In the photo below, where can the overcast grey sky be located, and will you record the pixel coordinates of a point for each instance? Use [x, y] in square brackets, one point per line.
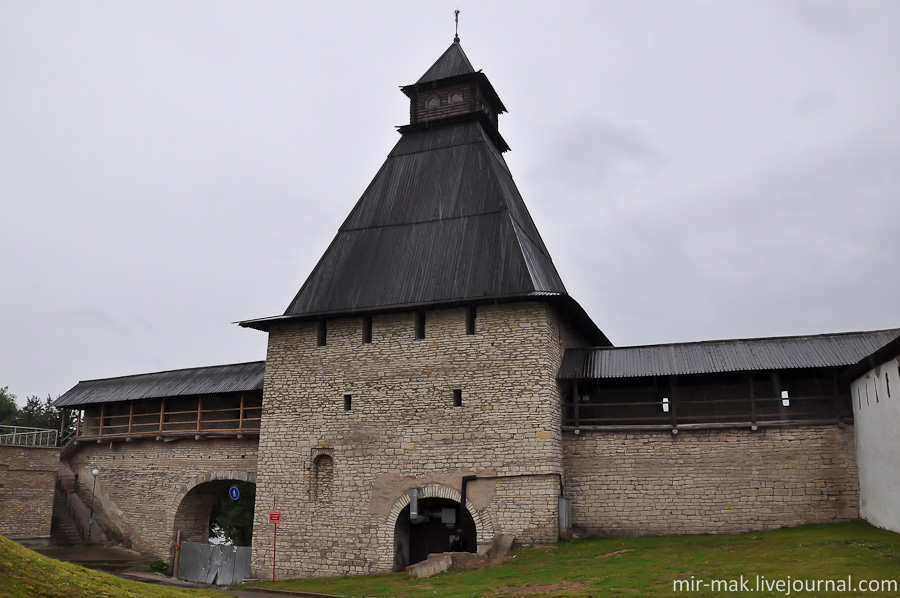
[698, 169]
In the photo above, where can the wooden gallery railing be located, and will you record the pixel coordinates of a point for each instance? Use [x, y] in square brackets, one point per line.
[219, 415]
[666, 403]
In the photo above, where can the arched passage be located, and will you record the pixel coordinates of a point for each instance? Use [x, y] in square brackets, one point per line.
[193, 514]
[441, 526]
[193, 503]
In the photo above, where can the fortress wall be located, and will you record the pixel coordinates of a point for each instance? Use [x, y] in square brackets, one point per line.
[710, 481]
[142, 484]
[27, 480]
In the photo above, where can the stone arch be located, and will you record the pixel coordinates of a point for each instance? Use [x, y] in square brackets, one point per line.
[180, 511]
[211, 476]
[484, 525]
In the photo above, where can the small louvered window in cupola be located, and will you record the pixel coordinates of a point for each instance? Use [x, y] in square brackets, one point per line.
[432, 102]
[456, 97]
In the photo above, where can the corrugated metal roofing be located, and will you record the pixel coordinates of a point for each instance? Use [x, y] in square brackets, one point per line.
[239, 377]
[452, 62]
[824, 350]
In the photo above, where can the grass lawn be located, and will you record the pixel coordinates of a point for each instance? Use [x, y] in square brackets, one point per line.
[648, 566]
[27, 574]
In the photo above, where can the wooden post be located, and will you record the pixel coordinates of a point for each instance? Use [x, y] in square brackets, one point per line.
[78, 423]
[576, 400]
[199, 410]
[837, 397]
[673, 390]
[62, 425]
[102, 405]
[130, 415]
[162, 412]
[241, 415]
[752, 399]
[176, 564]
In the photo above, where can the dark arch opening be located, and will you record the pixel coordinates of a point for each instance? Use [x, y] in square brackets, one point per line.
[193, 516]
[442, 526]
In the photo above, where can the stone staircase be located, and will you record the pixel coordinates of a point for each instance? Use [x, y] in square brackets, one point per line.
[67, 527]
[63, 529]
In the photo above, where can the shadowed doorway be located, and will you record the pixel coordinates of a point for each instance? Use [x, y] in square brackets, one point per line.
[442, 526]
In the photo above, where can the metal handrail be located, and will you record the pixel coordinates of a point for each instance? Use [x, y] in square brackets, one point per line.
[67, 497]
[26, 436]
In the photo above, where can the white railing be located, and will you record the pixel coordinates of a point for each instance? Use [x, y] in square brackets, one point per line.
[23, 436]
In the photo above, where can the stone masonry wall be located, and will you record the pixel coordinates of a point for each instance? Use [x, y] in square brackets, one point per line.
[142, 484]
[27, 481]
[710, 481]
[402, 428]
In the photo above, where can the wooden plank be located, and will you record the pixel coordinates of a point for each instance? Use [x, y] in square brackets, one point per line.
[673, 399]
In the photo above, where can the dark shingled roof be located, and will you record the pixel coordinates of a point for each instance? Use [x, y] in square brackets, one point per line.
[790, 352]
[238, 377]
[441, 222]
[452, 62]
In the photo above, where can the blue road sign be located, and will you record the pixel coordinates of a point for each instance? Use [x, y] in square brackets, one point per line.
[234, 493]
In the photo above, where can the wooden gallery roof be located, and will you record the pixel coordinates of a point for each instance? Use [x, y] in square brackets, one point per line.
[239, 377]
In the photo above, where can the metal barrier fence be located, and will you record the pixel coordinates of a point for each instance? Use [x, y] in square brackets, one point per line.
[24, 436]
[215, 564]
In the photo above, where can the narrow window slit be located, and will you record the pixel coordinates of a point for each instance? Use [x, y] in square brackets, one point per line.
[367, 329]
[457, 397]
[321, 333]
[471, 320]
[420, 324]
[348, 402]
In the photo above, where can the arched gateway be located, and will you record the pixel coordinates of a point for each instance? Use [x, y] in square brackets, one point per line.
[441, 524]
[194, 502]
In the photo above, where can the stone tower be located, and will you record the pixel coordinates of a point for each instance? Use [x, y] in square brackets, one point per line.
[418, 361]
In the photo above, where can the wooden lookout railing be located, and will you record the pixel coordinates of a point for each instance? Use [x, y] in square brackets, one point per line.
[752, 400]
[235, 414]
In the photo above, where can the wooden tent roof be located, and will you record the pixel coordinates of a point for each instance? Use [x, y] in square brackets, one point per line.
[453, 62]
[442, 222]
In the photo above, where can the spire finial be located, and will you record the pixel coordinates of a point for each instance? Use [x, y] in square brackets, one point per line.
[456, 33]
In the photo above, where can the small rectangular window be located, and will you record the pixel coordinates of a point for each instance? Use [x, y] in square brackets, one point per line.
[457, 398]
[348, 400]
[471, 316]
[367, 329]
[420, 324]
[665, 404]
[785, 401]
[321, 334]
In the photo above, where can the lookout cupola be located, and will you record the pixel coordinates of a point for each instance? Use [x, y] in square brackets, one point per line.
[451, 90]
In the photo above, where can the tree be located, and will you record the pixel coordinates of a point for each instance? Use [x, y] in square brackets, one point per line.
[39, 414]
[35, 413]
[9, 412]
[234, 517]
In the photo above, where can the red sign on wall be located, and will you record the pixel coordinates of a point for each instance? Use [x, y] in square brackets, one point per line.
[274, 516]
